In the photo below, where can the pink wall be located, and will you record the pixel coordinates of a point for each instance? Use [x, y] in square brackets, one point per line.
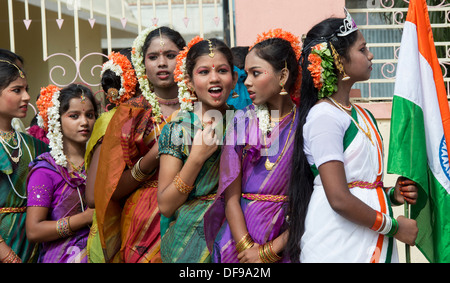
[297, 16]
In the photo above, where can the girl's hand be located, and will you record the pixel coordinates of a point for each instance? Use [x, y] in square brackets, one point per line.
[406, 190]
[407, 230]
[205, 143]
[250, 255]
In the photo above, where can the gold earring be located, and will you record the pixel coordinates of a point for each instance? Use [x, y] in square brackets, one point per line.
[338, 63]
[193, 97]
[235, 95]
[283, 91]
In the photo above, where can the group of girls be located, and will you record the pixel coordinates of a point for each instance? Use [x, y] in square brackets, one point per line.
[174, 173]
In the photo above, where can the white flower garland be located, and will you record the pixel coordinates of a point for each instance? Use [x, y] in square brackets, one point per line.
[262, 112]
[184, 95]
[139, 67]
[54, 134]
[116, 69]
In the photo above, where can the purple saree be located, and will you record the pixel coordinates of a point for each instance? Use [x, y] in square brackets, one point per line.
[263, 198]
[52, 186]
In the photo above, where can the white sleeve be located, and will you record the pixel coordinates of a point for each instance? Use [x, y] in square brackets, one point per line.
[324, 132]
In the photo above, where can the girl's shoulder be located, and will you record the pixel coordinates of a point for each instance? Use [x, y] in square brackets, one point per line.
[325, 113]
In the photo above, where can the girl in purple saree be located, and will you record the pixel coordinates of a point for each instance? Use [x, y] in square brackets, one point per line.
[247, 220]
[57, 214]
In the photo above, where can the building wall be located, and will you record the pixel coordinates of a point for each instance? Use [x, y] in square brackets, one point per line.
[256, 16]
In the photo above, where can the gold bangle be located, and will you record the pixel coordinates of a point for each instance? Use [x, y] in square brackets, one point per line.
[244, 243]
[63, 227]
[182, 186]
[266, 253]
[11, 257]
[136, 172]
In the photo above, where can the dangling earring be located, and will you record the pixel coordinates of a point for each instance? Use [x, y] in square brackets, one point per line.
[283, 91]
[193, 97]
[234, 94]
[338, 63]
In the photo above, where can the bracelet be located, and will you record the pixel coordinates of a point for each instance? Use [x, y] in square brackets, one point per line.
[379, 221]
[182, 186]
[136, 172]
[392, 196]
[245, 243]
[11, 257]
[63, 227]
[266, 253]
[394, 228]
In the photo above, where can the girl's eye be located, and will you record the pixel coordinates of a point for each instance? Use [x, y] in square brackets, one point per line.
[171, 56]
[223, 70]
[90, 115]
[256, 73]
[73, 116]
[152, 57]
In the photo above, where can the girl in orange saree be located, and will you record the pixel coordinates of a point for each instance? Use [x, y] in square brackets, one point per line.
[126, 182]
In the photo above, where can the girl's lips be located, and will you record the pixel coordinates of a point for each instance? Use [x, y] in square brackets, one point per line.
[163, 75]
[24, 108]
[252, 95]
[215, 91]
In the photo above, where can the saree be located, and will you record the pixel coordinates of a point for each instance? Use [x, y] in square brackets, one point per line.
[328, 236]
[52, 186]
[94, 247]
[263, 199]
[129, 231]
[184, 240]
[13, 197]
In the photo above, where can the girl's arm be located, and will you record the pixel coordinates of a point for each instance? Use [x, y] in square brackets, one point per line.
[39, 229]
[91, 175]
[333, 178]
[127, 184]
[169, 197]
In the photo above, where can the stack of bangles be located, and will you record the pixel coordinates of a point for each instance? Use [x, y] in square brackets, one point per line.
[391, 192]
[266, 253]
[137, 174]
[385, 225]
[63, 227]
[11, 257]
[181, 185]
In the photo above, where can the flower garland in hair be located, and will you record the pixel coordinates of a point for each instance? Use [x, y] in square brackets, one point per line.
[262, 111]
[137, 56]
[322, 70]
[121, 66]
[49, 119]
[184, 94]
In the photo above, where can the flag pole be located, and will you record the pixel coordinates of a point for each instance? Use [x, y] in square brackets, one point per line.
[407, 247]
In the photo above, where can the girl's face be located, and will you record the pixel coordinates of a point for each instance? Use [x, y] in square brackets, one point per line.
[78, 121]
[160, 62]
[359, 65]
[213, 79]
[263, 82]
[14, 99]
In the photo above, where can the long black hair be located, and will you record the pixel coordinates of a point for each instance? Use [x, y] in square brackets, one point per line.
[75, 91]
[302, 178]
[172, 34]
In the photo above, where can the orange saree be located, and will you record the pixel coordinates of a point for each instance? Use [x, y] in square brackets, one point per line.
[129, 230]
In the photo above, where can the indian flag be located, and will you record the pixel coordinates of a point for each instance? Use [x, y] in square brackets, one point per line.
[420, 127]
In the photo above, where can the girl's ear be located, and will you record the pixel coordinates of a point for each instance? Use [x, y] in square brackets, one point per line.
[235, 79]
[189, 84]
[284, 76]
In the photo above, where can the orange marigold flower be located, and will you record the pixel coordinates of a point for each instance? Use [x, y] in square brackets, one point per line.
[45, 102]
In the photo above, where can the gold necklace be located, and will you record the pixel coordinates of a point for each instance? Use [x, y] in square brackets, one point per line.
[269, 165]
[367, 133]
[5, 145]
[8, 136]
[281, 118]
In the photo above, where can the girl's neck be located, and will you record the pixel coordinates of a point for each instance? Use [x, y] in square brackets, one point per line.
[167, 93]
[74, 152]
[283, 104]
[343, 94]
[203, 111]
[5, 125]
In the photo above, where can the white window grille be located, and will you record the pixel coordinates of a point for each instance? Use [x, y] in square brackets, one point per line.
[381, 22]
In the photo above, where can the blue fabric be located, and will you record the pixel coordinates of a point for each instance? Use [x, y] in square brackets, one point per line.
[243, 100]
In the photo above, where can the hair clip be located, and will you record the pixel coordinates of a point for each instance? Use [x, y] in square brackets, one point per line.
[348, 25]
[18, 69]
[211, 52]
